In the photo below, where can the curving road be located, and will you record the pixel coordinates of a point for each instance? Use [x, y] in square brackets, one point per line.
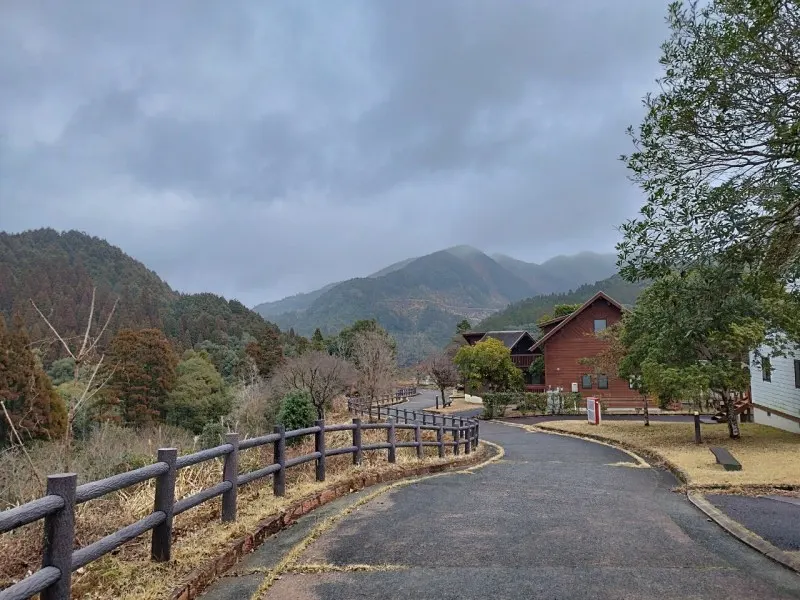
[557, 517]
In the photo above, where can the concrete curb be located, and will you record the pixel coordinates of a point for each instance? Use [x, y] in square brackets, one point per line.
[741, 533]
[199, 579]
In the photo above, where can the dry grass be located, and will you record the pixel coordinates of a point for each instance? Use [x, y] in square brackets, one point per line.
[458, 405]
[769, 456]
[199, 535]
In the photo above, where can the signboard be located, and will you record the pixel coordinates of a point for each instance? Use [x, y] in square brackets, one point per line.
[593, 411]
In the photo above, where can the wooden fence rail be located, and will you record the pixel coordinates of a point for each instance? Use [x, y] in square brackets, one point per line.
[57, 508]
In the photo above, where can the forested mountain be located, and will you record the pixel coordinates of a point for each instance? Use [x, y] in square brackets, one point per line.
[420, 300]
[561, 273]
[58, 271]
[525, 313]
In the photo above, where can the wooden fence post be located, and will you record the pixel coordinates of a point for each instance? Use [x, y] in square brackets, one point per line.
[161, 540]
[440, 440]
[357, 441]
[467, 440]
[390, 437]
[698, 438]
[319, 446]
[230, 472]
[456, 439]
[370, 411]
[418, 440]
[279, 457]
[59, 535]
[405, 415]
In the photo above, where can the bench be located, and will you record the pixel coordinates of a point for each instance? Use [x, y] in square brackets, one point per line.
[726, 459]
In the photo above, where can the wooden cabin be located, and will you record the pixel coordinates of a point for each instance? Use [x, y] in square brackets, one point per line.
[563, 342]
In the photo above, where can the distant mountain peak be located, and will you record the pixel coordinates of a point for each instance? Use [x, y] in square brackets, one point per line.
[463, 250]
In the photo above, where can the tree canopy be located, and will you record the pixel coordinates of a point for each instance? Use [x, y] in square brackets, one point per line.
[488, 365]
[718, 153]
[199, 395]
[32, 405]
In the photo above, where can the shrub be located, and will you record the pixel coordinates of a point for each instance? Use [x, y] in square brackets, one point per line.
[212, 435]
[297, 411]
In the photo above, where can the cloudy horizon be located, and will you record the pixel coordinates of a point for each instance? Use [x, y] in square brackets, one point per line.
[258, 151]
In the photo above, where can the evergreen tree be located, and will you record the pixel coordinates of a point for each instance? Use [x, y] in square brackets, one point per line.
[199, 396]
[318, 341]
[33, 406]
[144, 373]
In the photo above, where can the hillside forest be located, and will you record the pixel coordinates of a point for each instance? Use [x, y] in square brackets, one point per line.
[93, 344]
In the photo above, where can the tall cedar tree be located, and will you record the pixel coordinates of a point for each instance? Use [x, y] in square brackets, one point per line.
[266, 352]
[34, 407]
[144, 366]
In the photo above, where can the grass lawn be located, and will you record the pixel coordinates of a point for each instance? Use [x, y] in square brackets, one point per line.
[769, 456]
[458, 405]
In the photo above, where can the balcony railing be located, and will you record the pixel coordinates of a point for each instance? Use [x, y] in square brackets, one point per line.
[523, 360]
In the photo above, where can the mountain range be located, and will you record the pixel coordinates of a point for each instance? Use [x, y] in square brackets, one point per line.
[420, 300]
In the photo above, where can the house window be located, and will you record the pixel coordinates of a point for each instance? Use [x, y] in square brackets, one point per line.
[586, 382]
[599, 325]
[766, 369]
[602, 382]
[797, 373]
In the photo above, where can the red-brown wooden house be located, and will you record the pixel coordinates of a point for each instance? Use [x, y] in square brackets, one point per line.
[563, 342]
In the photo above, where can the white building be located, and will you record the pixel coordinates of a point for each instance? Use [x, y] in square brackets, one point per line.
[775, 392]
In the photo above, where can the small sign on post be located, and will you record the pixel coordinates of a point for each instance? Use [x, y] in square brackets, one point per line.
[593, 411]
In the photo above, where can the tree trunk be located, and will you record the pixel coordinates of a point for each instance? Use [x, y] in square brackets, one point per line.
[733, 421]
[443, 400]
[646, 411]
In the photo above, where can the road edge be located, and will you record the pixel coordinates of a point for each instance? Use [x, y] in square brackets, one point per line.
[198, 580]
[742, 533]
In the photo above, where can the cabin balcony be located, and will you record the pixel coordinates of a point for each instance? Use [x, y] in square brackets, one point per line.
[523, 361]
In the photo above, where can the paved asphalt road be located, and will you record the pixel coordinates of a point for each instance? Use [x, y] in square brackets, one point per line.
[556, 518]
[775, 521]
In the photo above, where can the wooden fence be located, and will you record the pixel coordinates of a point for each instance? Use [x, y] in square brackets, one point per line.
[400, 395]
[57, 508]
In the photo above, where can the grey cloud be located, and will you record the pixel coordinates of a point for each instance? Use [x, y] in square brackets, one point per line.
[259, 149]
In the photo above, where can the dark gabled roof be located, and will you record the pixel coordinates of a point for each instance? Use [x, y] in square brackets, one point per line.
[508, 338]
[473, 337]
[599, 295]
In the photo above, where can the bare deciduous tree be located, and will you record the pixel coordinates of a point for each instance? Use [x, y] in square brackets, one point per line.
[323, 376]
[375, 365]
[84, 356]
[443, 372]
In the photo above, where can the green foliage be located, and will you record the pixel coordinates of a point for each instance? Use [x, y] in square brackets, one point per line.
[717, 152]
[463, 326]
[297, 411]
[536, 370]
[343, 345]
[488, 365]
[62, 370]
[527, 313]
[692, 332]
[199, 395]
[34, 407]
[496, 403]
[318, 341]
[212, 435]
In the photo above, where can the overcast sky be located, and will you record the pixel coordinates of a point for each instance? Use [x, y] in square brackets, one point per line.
[258, 149]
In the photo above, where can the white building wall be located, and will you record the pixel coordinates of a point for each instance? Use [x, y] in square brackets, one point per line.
[779, 394]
